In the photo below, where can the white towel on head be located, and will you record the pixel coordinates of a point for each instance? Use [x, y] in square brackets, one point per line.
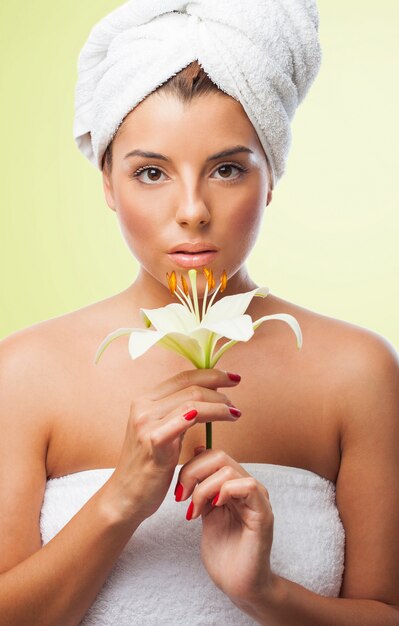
[263, 53]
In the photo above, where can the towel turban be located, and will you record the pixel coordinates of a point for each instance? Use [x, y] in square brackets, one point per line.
[263, 53]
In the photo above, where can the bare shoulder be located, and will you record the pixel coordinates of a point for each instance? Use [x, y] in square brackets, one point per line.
[34, 364]
[356, 366]
[361, 369]
[50, 339]
[348, 349]
[36, 361]
[25, 430]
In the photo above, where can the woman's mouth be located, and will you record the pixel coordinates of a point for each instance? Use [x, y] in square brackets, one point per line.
[193, 259]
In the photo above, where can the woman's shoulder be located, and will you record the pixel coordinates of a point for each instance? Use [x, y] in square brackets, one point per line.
[61, 333]
[346, 358]
[340, 337]
[40, 359]
[343, 357]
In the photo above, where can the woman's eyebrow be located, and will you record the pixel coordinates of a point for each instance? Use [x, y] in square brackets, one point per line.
[213, 157]
[229, 152]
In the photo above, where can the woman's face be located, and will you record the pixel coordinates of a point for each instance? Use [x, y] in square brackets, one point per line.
[186, 193]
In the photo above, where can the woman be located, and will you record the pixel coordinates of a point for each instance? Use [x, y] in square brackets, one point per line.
[114, 437]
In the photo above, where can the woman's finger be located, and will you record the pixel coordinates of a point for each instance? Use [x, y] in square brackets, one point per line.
[201, 467]
[171, 427]
[194, 393]
[244, 493]
[247, 490]
[211, 378]
[206, 491]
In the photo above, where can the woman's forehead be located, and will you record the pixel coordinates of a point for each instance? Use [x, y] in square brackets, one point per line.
[164, 120]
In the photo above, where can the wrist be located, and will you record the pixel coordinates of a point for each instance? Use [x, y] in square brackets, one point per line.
[118, 508]
[264, 604]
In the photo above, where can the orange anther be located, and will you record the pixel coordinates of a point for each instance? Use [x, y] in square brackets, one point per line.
[209, 277]
[172, 281]
[184, 284]
[223, 281]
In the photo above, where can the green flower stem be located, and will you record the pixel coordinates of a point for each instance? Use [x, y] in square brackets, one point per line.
[208, 435]
[207, 365]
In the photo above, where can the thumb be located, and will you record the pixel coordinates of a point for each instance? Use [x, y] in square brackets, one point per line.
[199, 449]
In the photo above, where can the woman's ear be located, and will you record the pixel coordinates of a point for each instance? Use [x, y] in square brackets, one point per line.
[269, 196]
[108, 190]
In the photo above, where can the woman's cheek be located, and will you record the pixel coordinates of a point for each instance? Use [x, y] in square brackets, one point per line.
[135, 226]
[246, 222]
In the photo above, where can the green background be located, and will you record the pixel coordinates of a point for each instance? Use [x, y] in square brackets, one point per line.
[330, 237]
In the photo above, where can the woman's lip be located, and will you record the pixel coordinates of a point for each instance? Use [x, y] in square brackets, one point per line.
[196, 259]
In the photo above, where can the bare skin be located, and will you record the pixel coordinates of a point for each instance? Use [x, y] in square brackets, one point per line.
[331, 408]
[275, 375]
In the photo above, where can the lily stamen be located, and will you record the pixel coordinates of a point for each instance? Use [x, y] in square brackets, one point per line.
[192, 274]
[207, 274]
[213, 297]
[187, 299]
[178, 327]
[221, 287]
[172, 281]
[184, 284]
[223, 281]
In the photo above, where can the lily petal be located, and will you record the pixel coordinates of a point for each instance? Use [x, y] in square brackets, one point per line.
[142, 340]
[285, 317]
[232, 306]
[171, 318]
[187, 347]
[238, 328]
[114, 335]
[215, 358]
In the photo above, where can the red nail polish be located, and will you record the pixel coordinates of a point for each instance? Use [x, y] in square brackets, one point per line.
[179, 492]
[189, 513]
[190, 414]
[235, 377]
[234, 411]
[215, 499]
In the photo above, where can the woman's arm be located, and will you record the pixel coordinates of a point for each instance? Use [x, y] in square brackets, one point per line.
[288, 604]
[56, 584]
[367, 493]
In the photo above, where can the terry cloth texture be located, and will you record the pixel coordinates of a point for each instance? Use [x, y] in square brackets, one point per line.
[263, 53]
[159, 577]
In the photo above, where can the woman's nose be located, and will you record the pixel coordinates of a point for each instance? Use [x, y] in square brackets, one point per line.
[192, 212]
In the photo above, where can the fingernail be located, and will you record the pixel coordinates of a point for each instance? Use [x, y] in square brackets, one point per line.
[235, 377]
[189, 513]
[190, 415]
[215, 499]
[179, 492]
[234, 411]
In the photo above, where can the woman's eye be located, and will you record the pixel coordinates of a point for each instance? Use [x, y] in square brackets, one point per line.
[226, 170]
[148, 175]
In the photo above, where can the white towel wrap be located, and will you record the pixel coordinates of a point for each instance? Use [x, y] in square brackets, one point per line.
[263, 53]
[159, 577]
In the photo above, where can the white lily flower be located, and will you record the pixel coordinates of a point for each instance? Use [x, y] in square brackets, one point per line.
[181, 328]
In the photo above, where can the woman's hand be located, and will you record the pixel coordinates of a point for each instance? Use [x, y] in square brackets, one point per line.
[237, 532]
[155, 430]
